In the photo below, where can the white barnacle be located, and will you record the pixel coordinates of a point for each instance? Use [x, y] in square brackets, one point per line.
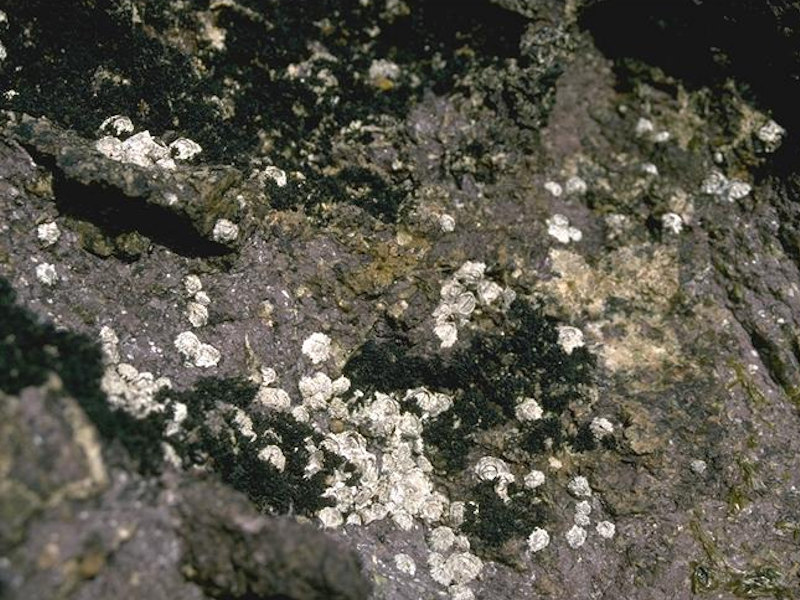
[569, 338]
[716, 184]
[109, 343]
[432, 403]
[457, 513]
[274, 398]
[558, 227]
[433, 507]
[132, 391]
[462, 567]
[698, 465]
[576, 185]
[225, 231]
[402, 519]
[267, 376]
[192, 284]
[141, 149]
[273, 455]
[461, 592]
[534, 479]
[672, 223]
[554, 188]
[185, 149]
[465, 304]
[538, 540]
[197, 314]
[244, 424]
[576, 536]
[470, 273]
[582, 511]
[451, 289]
[46, 273]
[48, 233]
[382, 71]
[447, 224]
[606, 529]
[117, 125]
[579, 487]
[405, 564]
[316, 390]
[110, 147]
[207, 356]
[196, 352]
[662, 136]
[644, 126]
[202, 298]
[373, 512]
[601, 427]
[179, 413]
[490, 468]
[408, 426]
[340, 385]
[441, 539]
[330, 517]
[528, 409]
[508, 297]
[650, 169]
[354, 519]
[278, 176]
[317, 347]
[447, 333]
[489, 292]
[300, 414]
[738, 189]
[381, 414]
[337, 409]
[771, 134]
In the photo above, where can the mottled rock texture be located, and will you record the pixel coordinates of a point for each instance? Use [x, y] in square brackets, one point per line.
[399, 299]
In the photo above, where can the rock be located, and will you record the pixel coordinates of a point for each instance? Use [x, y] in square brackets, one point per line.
[463, 294]
[66, 463]
[180, 208]
[234, 552]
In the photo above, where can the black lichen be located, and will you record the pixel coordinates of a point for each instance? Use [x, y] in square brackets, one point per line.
[493, 521]
[211, 438]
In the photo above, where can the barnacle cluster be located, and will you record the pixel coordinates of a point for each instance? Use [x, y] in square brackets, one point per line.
[142, 149]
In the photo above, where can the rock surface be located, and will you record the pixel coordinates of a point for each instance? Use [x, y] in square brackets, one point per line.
[399, 299]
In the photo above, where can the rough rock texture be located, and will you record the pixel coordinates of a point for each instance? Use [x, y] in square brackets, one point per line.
[399, 299]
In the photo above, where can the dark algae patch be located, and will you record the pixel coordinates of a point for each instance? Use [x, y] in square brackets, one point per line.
[491, 521]
[212, 438]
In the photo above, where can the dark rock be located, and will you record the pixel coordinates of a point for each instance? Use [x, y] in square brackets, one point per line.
[232, 551]
[178, 209]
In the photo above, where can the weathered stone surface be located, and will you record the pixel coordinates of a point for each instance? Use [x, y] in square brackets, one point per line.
[234, 552]
[476, 242]
[174, 207]
[49, 454]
